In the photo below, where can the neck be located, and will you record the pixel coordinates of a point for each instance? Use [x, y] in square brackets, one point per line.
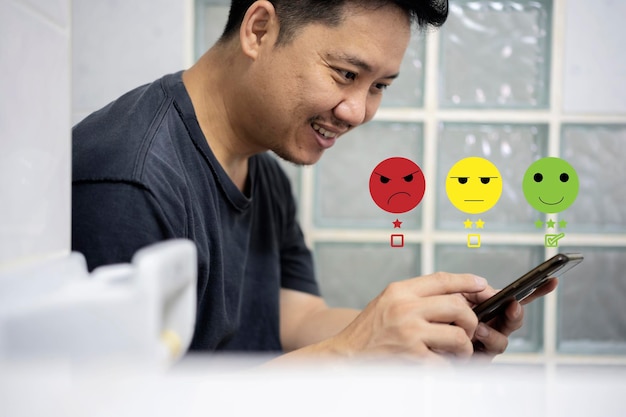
[211, 85]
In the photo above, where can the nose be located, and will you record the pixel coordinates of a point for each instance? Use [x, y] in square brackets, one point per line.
[356, 108]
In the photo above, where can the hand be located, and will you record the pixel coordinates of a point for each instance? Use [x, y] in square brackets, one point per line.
[412, 318]
[491, 338]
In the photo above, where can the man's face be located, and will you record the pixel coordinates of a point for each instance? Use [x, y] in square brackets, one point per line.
[323, 83]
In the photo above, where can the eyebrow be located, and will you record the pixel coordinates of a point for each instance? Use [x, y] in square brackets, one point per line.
[359, 63]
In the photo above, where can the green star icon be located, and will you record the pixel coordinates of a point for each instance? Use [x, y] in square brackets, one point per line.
[562, 224]
[538, 224]
[550, 224]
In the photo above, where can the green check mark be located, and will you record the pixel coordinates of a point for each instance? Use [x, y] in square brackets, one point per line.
[552, 241]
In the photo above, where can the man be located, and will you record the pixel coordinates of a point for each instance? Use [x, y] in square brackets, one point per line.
[184, 157]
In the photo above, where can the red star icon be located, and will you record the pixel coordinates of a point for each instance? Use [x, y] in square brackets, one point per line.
[396, 224]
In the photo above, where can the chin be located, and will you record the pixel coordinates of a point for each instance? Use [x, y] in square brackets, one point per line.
[299, 158]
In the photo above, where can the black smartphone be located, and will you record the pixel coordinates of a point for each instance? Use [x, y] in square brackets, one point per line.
[526, 284]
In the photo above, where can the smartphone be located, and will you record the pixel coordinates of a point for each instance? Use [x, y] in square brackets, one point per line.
[526, 284]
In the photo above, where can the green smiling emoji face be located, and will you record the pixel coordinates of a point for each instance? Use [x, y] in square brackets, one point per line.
[550, 185]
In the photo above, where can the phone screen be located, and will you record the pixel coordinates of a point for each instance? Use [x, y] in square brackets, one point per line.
[526, 284]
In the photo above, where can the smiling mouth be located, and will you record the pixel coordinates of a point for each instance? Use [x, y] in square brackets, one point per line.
[326, 133]
[551, 204]
[395, 194]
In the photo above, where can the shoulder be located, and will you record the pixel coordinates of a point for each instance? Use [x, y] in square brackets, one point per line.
[112, 143]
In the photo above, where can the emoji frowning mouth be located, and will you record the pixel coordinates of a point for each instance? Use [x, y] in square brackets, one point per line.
[395, 194]
[551, 204]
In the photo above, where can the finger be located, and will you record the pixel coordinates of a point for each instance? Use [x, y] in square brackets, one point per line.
[446, 309]
[489, 341]
[445, 283]
[478, 297]
[545, 288]
[424, 356]
[448, 339]
[511, 320]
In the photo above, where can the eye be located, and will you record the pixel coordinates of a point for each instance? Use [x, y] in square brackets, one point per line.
[485, 180]
[348, 75]
[538, 177]
[462, 180]
[408, 178]
[381, 86]
[384, 180]
[564, 177]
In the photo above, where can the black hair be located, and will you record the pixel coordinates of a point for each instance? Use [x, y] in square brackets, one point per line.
[294, 14]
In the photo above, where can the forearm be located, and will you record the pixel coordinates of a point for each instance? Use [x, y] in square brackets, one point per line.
[314, 340]
[321, 325]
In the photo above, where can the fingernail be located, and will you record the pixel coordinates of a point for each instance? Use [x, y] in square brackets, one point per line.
[482, 331]
[518, 310]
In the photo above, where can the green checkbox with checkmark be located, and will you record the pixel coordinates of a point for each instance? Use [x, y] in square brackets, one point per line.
[552, 240]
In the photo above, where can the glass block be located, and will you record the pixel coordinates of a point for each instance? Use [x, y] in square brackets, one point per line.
[597, 152]
[511, 148]
[496, 54]
[594, 73]
[408, 89]
[591, 317]
[352, 274]
[342, 197]
[500, 265]
[211, 17]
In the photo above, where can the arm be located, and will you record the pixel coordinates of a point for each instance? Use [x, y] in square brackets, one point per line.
[305, 319]
[409, 318]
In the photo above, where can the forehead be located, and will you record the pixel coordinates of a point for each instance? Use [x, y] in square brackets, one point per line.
[368, 33]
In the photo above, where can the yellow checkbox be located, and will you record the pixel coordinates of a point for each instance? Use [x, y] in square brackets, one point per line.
[473, 240]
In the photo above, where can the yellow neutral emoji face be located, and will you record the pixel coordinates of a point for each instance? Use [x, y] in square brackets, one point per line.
[474, 185]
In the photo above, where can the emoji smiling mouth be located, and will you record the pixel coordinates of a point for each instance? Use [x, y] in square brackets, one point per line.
[395, 194]
[551, 204]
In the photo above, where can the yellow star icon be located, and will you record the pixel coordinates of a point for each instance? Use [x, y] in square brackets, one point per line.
[468, 224]
[480, 224]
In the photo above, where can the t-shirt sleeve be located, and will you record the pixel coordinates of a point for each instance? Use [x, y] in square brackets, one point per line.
[297, 270]
[296, 259]
[112, 220]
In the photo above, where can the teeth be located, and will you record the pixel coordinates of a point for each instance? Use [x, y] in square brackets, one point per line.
[323, 131]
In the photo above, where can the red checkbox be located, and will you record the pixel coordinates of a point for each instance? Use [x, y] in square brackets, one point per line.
[397, 241]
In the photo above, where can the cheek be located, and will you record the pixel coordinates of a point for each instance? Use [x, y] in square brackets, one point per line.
[373, 103]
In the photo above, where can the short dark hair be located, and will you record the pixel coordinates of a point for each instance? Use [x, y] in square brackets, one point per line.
[294, 14]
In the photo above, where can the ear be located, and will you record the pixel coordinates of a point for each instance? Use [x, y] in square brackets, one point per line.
[258, 28]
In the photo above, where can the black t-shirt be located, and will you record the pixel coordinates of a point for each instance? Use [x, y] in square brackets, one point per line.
[143, 172]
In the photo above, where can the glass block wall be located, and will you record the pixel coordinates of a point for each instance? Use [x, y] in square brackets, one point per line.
[512, 82]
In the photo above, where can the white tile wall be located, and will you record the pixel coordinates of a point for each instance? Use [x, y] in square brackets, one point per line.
[34, 129]
[119, 45]
[60, 60]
